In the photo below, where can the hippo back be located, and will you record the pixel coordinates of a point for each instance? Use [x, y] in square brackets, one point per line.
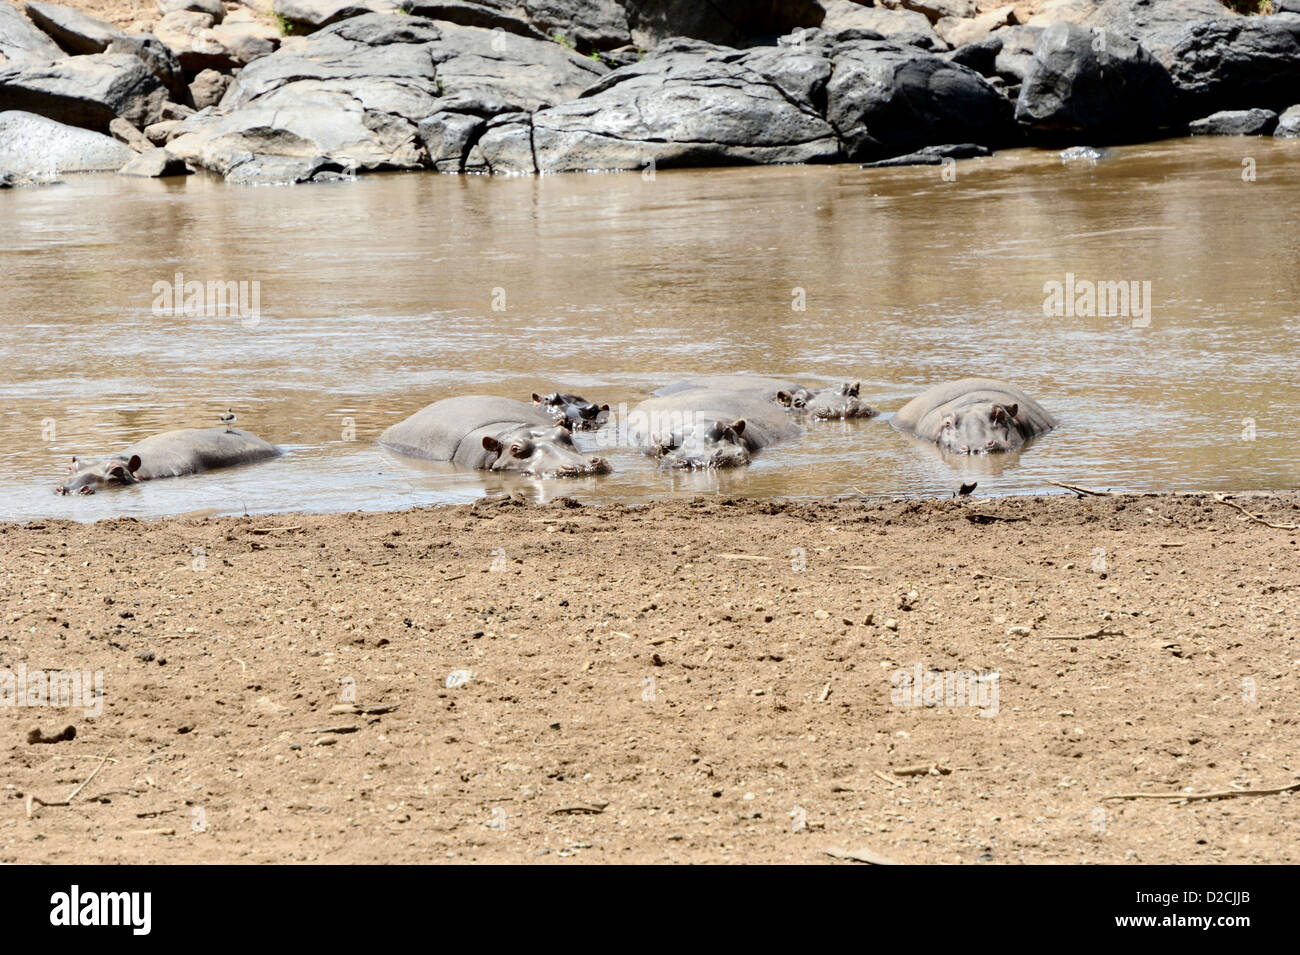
[759, 385]
[195, 450]
[438, 431]
[923, 415]
[765, 422]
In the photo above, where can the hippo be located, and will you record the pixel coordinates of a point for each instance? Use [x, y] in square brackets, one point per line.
[170, 454]
[826, 403]
[974, 416]
[840, 401]
[491, 434]
[572, 411]
[707, 428]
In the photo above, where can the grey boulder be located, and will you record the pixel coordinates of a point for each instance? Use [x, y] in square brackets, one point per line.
[1235, 122]
[21, 42]
[1288, 124]
[1238, 63]
[932, 156]
[693, 104]
[208, 88]
[885, 100]
[34, 145]
[213, 8]
[88, 91]
[155, 164]
[1094, 82]
[158, 57]
[1156, 24]
[74, 31]
[308, 16]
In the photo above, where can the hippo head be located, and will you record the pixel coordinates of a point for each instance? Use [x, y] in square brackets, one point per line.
[705, 444]
[840, 402]
[541, 452]
[577, 413]
[981, 429]
[86, 477]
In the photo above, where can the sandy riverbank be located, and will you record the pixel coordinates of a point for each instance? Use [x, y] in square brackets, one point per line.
[718, 679]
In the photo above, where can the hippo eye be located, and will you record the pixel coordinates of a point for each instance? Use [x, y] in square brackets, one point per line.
[521, 450]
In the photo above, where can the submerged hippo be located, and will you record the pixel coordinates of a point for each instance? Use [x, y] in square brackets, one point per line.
[974, 416]
[839, 401]
[575, 413]
[705, 428]
[170, 454]
[834, 402]
[491, 434]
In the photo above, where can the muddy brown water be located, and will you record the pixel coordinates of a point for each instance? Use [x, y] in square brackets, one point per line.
[378, 296]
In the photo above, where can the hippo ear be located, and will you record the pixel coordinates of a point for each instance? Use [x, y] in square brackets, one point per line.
[491, 444]
[1012, 409]
[604, 407]
[739, 426]
[134, 464]
[537, 399]
[784, 397]
[853, 389]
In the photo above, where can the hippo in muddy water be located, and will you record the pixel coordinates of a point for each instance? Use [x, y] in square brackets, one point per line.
[974, 416]
[572, 411]
[838, 401]
[491, 434]
[707, 428]
[170, 454]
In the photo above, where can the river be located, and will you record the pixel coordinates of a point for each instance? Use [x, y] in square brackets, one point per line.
[378, 296]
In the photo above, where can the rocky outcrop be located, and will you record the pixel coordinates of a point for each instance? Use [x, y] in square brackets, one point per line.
[72, 30]
[1095, 83]
[378, 92]
[1238, 122]
[87, 91]
[1238, 63]
[22, 43]
[34, 146]
[693, 104]
[1157, 24]
[885, 100]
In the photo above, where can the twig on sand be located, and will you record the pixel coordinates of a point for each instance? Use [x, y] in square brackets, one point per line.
[923, 769]
[34, 801]
[1094, 635]
[1220, 499]
[743, 557]
[1084, 490]
[892, 782]
[1191, 797]
[860, 855]
[275, 530]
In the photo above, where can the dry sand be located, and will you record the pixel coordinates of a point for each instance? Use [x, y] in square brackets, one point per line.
[707, 681]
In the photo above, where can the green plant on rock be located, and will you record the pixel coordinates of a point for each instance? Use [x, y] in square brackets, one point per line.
[283, 24]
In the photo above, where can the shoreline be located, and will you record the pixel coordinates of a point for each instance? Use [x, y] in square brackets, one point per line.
[707, 680]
